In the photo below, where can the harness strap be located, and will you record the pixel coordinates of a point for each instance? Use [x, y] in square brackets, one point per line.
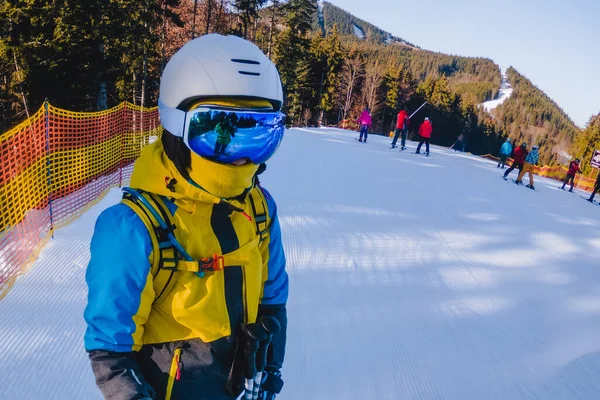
[241, 256]
[259, 209]
[170, 256]
[164, 255]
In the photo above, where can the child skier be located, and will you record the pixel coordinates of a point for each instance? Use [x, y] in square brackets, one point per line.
[505, 152]
[425, 133]
[186, 281]
[364, 122]
[518, 161]
[573, 169]
[530, 161]
[401, 129]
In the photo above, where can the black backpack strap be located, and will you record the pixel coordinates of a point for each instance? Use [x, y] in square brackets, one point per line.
[260, 212]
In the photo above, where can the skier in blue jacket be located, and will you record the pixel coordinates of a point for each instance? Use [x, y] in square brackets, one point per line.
[530, 162]
[505, 152]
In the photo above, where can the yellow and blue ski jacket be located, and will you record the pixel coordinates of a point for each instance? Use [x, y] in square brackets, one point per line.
[159, 327]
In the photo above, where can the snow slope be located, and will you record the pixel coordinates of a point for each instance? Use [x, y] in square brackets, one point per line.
[411, 278]
[504, 93]
[358, 32]
[320, 14]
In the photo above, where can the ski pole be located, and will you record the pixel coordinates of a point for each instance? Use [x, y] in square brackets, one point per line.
[271, 326]
[254, 335]
[422, 105]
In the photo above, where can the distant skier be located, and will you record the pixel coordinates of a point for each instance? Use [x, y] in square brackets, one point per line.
[530, 162]
[425, 134]
[505, 152]
[518, 160]
[401, 129]
[573, 169]
[596, 189]
[364, 122]
[460, 143]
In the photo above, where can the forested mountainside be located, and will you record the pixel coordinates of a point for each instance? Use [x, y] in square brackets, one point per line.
[88, 55]
[530, 116]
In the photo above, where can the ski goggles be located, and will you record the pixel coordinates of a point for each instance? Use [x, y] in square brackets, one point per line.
[226, 135]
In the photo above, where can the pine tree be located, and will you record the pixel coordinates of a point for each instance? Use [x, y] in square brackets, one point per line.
[247, 11]
[292, 54]
[334, 60]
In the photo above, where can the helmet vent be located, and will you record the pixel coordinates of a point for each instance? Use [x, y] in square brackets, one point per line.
[249, 73]
[240, 61]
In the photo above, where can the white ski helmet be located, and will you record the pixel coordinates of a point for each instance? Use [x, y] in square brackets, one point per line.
[216, 66]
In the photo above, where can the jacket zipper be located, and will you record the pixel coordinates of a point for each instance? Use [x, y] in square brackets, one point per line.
[174, 372]
[245, 293]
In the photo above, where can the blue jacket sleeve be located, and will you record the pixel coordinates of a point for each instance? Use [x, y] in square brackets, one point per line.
[275, 295]
[119, 281]
[120, 294]
[276, 286]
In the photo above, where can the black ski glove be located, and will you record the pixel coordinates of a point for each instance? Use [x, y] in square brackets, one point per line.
[271, 384]
[276, 352]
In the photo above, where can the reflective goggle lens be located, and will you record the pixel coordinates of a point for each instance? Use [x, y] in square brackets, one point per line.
[229, 135]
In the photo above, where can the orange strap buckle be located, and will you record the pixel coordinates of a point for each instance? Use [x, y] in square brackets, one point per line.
[214, 263]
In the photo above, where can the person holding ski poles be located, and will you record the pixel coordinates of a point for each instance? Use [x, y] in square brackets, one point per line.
[573, 169]
[401, 129]
[596, 189]
[187, 286]
[518, 161]
[364, 122]
[425, 133]
[505, 152]
[460, 143]
[530, 162]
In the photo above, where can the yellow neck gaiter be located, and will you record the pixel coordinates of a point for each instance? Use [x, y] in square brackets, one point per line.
[222, 180]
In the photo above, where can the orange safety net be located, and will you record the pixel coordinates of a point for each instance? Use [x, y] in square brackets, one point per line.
[54, 165]
[558, 173]
[349, 124]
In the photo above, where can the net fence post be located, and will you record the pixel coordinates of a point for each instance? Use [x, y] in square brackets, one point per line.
[48, 163]
[121, 161]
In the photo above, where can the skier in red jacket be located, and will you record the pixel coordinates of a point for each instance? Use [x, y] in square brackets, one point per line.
[425, 133]
[401, 128]
[573, 169]
[519, 160]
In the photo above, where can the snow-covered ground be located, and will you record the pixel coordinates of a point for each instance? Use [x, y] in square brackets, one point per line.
[411, 278]
[358, 32]
[504, 93]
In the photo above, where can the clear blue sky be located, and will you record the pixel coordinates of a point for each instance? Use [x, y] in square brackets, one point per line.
[556, 44]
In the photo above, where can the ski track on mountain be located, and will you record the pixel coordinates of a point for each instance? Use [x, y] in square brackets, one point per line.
[410, 278]
[504, 93]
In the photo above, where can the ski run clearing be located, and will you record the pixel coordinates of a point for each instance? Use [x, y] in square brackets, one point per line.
[410, 278]
[504, 93]
[358, 32]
